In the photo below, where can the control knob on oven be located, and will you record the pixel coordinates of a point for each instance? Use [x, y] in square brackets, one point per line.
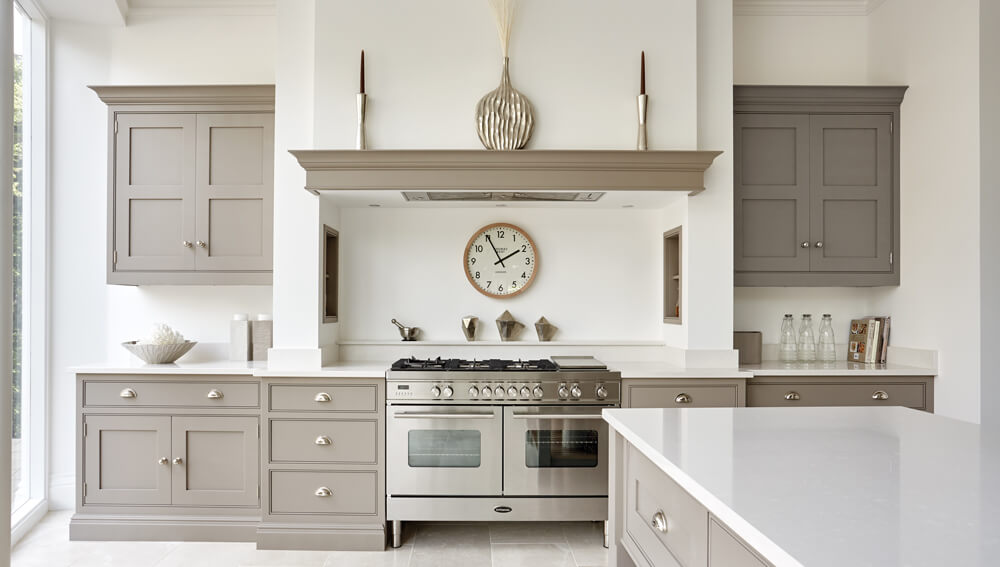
[525, 392]
[448, 392]
[602, 392]
[435, 392]
[538, 392]
[498, 392]
[576, 391]
[474, 392]
[512, 392]
[563, 391]
[487, 392]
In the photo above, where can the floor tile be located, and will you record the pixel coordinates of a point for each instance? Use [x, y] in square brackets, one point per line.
[527, 532]
[439, 545]
[586, 540]
[121, 553]
[388, 558]
[532, 555]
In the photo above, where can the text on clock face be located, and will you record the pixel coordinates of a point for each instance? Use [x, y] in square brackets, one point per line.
[500, 260]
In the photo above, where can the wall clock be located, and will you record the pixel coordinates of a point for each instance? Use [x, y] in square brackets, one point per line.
[500, 260]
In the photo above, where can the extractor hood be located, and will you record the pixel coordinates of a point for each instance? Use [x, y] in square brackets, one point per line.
[505, 172]
[502, 196]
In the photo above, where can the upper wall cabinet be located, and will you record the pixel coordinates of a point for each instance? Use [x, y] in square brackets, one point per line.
[190, 184]
[816, 187]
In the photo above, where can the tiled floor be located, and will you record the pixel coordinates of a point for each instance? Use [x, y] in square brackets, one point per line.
[576, 544]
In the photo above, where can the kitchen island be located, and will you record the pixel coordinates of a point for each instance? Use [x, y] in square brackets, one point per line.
[811, 487]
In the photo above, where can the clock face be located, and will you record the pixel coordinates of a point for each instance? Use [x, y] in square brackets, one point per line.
[500, 260]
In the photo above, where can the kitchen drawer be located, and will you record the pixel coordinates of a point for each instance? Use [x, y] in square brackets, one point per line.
[650, 493]
[324, 397]
[351, 493]
[700, 396]
[146, 393]
[724, 550]
[324, 441]
[836, 394]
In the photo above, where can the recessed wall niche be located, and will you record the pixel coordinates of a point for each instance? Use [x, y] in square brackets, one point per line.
[672, 276]
[331, 274]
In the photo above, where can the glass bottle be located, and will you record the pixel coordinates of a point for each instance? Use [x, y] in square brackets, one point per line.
[827, 344]
[787, 351]
[807, 339]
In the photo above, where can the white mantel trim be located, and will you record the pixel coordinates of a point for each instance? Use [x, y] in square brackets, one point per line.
[805, 7]
[152, 8]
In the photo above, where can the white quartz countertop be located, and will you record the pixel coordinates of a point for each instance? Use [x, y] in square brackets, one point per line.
[830, 487]
[138, 367]
[836, 368]
[665, 370]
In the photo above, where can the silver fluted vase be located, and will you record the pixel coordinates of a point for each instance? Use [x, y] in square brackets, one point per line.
[504, 117]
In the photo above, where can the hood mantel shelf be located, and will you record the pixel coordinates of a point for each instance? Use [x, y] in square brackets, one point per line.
[521, 170]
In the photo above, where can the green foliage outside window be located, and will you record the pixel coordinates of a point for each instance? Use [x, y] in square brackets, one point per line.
[18, 239]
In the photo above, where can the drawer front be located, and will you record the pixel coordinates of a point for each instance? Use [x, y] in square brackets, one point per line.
[724, 550]
[833, 394]
[324, 441]
[323, 397]
[146, 393]
[651, 496]
[684, 396]
[351, 493]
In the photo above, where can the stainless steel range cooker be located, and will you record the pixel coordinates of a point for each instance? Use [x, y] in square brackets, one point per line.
[497, 440]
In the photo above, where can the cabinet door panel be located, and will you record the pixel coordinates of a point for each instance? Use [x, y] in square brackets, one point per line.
[220, 461]
[772, 195]
[121, 460]
[154, 190]
[851, 192]
[235, 191]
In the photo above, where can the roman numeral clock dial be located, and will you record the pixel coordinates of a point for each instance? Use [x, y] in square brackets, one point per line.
[500, 260]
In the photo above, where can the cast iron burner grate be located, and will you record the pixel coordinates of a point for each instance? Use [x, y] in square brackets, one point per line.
[492, 365]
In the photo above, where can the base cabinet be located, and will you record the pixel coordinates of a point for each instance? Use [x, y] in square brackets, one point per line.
[158, 468]
[681, 393]
[915, 392]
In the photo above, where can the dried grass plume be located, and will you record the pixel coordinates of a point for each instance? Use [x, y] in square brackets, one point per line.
[503, 14]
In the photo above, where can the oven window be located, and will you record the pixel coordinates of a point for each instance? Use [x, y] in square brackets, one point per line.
[445, 448]
[571, 448]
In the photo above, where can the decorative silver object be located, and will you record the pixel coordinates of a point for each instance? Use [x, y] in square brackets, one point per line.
[545, 330]
[470, 325]
[504, 117]
[362, 110]
[158, 354]
[509, 327]
[640, 102]
[407, 333]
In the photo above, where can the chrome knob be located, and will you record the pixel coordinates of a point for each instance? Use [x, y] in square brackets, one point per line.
[448, 391]
[322, 397]
[487, 393]
[793, 396]
[512, 392]
[163, 460]
[563, 391]
[323, 492]
[538, 392]
[659, 522]
[127, 393]
[880, 395]
[602, 392]
[682, 399]
[575, 391]
[498, 392]
[187, 243]
[323, 440]
[474, 392]
[525, 392]
[819, 244]
[178, 461]
[804, 245]
[202, 244]
[214, 394]
[435, 392]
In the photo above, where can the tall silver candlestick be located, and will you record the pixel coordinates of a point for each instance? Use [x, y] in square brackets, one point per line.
[640, 102]
[362, 108]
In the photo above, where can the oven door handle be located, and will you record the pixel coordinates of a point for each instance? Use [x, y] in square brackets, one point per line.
[581, 416]
[435, 415]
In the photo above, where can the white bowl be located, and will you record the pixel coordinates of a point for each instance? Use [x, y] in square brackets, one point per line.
[159, 354]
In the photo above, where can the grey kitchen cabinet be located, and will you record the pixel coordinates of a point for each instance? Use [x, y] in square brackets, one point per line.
[915, 392]
[167, 458]
[323, 469]
[816, 182]
[683, 392]
[191, 178]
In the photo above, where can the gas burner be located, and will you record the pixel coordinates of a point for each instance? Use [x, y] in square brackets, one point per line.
[419, 364]
[471, 364]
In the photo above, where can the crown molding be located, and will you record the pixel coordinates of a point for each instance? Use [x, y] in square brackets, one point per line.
[147, 8]
[805, 7]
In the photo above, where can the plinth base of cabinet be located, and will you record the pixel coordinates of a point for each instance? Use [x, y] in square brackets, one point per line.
[83, 527]
[321, 537]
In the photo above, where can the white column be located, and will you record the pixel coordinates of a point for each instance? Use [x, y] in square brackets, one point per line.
[6, 255]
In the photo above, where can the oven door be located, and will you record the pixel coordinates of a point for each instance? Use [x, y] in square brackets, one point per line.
[444, 450]
[555, 451]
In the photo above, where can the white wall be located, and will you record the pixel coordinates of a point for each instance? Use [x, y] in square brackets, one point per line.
[800, 50]
[599, 273]
[989, 68]
[90, 318]
[934, 48]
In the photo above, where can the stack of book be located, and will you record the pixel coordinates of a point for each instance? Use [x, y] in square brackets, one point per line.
[869, 340]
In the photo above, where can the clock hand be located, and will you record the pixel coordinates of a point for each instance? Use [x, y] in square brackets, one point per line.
[495, 252]
[500, 261]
